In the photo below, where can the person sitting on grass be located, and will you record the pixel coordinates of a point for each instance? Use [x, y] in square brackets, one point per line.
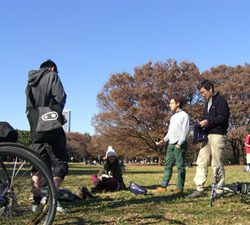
[109, 177]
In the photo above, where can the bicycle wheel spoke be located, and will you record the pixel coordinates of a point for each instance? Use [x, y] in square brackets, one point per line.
[2, 209]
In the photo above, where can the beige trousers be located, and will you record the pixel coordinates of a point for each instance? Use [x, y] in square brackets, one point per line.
[248, 158]
[212, 151]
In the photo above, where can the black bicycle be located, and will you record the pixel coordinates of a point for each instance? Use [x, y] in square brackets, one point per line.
[17, 164]
[239, 188]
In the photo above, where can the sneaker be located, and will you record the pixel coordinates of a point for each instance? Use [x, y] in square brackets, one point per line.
[196, 194]
[36, 207]
[160, 190]
[43, 200]
[59, 208]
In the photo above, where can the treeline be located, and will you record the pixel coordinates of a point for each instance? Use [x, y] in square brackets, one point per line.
[134, 109]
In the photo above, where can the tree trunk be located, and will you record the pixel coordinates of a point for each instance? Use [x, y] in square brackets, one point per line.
[235, 150]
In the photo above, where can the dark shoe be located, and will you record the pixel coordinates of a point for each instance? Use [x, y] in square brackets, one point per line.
[83, 193]
[196, 194]
[95, 190]
[178, 191]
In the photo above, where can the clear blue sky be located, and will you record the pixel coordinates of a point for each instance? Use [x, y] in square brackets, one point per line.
[90, 40]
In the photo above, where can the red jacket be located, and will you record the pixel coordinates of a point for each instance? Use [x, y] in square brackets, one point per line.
[247, 141]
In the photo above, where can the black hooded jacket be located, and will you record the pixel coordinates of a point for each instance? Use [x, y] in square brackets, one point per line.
[45, 89]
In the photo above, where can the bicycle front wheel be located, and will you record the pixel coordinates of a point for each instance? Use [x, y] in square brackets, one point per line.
[17, 163]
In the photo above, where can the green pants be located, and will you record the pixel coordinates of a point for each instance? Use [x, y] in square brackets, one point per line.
[175, 155]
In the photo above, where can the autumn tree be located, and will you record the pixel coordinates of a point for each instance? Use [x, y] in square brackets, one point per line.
[78, 145]
[134, 108]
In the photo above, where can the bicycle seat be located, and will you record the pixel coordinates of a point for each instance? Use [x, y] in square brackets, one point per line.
[7, 133]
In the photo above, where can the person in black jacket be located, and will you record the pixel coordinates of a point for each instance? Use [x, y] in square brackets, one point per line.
[215, 121]
[45, 89]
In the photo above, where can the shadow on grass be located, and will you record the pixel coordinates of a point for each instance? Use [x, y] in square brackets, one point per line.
[110, 203]
[83, 166]
[82, 172]
[151, 198]
[154, 186]
[114, 203]
[142, 172]
[73, 220]
[154, 217]
[94, 170]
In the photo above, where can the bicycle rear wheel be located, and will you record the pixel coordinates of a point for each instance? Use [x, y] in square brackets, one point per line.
[16, 196]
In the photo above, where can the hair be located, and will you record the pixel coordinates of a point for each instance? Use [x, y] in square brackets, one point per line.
[207, 84]
[48, 64]
[178, 99]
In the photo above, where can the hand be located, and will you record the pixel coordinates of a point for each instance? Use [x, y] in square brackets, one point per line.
[177, 146]
[203, 123]
[161, 142]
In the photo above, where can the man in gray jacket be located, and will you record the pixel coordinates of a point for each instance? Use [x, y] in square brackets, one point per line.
[44, 89]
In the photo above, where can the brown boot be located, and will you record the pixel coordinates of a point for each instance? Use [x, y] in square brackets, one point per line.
[160, 190]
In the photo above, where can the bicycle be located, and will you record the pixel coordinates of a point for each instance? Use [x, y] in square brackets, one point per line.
[239, 188]
[17, 163]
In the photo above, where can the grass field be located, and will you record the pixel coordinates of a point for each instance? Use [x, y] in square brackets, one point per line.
[125, 208]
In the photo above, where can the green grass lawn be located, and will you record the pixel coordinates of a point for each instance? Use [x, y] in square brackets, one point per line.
[126, 208]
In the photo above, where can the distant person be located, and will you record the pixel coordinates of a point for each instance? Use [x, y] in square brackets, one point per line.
[44, 89]
[176, 138]
[215, 121]
[247, 147]
[109, 177]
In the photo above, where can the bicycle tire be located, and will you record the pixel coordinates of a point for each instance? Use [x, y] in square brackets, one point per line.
[25, 159]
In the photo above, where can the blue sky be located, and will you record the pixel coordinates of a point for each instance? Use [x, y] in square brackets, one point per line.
[90, 40]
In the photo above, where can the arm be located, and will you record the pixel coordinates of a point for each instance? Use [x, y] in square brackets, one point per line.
[102, 170]
[117, 173]
[221, 114]
[166, 138]
[58, 92]
[184, 131]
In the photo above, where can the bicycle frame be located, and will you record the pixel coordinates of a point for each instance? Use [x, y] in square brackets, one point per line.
[238, 188]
